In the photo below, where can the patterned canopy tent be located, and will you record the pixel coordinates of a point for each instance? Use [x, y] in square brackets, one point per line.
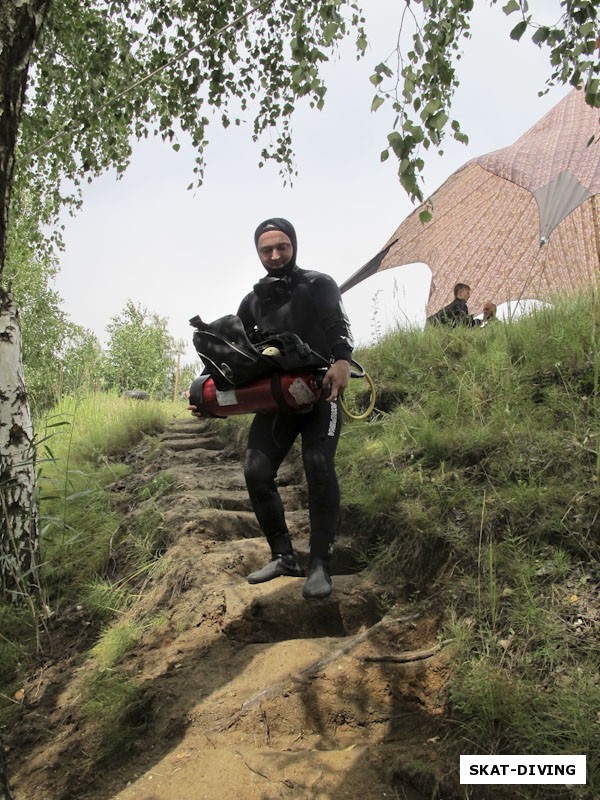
[521, 222]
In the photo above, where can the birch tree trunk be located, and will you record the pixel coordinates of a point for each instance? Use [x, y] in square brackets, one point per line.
[19, 544]
[20, 23]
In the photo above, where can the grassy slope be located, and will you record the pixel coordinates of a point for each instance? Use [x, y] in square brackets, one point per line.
[475, 482]
[480, 480]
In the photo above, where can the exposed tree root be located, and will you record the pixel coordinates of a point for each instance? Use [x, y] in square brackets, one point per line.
[408, 655]
[308, 673]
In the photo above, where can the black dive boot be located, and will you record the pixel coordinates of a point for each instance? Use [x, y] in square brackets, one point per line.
[318, 583]
[283, 564]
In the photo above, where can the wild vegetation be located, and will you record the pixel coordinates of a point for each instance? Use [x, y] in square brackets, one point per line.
[81, 82]
[481, 484]
[64, 360]
[474, 483]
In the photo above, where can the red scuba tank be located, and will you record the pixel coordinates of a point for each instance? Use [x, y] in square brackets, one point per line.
[293, 392]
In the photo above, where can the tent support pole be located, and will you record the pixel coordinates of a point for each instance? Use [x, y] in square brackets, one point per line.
[594, 200]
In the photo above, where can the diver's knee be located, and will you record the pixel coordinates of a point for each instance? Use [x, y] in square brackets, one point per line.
[258, 470]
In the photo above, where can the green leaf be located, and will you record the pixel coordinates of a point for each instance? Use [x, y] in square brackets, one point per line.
[397, 143]
[518, 30]
[540, 36]
[384, 70]
[377, 102]
[510, 7]
[587, 29]
[431, 108]
[330, 31]
[437, 121]
[425, 216]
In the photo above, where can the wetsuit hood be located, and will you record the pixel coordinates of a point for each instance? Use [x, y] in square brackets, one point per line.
[279, 224]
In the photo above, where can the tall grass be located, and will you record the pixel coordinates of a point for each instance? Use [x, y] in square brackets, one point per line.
[85, 444]
[477, 483]
[82, 450]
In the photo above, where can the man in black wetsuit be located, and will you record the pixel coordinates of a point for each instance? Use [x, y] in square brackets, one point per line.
[308, 304]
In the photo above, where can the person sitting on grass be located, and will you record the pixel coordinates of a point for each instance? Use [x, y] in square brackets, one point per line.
[489, 313]
[456, 312]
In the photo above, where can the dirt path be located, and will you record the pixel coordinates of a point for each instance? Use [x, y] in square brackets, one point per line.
[250, 692]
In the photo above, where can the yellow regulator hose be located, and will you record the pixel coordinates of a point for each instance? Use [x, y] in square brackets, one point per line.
[360, 374]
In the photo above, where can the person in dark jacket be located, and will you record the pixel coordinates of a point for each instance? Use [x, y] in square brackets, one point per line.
[307, 303]
[456, 312]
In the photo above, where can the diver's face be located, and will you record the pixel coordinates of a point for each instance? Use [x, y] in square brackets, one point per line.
[275, 249]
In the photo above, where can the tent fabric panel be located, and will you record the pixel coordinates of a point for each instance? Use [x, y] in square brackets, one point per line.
[558, 199]
[572, 260]
[484, 228]
[562, 136]
[505, 261]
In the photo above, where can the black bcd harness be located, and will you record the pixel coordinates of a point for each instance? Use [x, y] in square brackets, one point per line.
[233, 358]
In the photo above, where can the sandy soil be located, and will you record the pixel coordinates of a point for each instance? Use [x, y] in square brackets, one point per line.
[249, 692]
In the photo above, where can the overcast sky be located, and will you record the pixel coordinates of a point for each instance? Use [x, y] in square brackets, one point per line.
[180, 253]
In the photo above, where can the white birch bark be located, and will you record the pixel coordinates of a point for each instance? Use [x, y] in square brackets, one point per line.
[20, 23]
[19, 514]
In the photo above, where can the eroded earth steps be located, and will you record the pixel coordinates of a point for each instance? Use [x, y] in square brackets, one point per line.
[250, 692]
